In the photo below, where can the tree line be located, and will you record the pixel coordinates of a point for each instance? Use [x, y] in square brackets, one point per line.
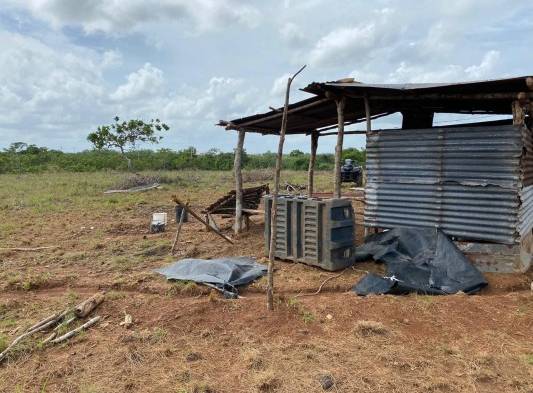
[23, 158]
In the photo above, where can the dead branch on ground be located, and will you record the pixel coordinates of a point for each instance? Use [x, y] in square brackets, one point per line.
[73, 332]
[134, 189]
[321, 285]
[27, 248]
[84, 308]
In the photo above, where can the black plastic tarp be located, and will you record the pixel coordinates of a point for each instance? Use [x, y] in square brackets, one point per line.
[225, 274]
[418, 260]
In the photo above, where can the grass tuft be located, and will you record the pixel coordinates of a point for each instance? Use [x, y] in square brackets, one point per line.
[370, 328]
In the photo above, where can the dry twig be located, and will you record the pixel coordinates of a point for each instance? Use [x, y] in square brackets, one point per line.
[40, 326]
[321, 285]
[72, 333]
[27, 248]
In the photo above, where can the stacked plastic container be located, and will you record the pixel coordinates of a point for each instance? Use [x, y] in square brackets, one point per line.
[318, 232]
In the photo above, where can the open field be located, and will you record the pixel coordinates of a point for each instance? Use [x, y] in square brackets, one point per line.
[187, 339]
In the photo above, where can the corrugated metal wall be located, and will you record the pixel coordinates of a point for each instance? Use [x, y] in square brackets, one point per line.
[465, 180]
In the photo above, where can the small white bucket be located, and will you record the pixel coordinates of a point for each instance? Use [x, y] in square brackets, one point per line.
[159, 218]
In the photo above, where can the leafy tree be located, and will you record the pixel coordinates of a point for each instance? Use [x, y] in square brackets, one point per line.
[16, 147]
[126, 134]
[355, 154]
[296, 153]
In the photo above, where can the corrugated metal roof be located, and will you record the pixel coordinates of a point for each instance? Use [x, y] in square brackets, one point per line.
[320, 111]
[506, 85]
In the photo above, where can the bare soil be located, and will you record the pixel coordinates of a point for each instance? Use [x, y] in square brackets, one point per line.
[187, 338]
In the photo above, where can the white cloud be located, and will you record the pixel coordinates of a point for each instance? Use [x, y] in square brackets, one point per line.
[343, 43]
[222, 97]
[487, 66]
[112, 58]
[293, 35]
[67, 66]
[123, 16]
[407, 72]
[141, 84]
[45, 85]
[279, 86]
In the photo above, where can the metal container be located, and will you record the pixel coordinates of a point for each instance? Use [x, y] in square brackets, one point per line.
[318, 232]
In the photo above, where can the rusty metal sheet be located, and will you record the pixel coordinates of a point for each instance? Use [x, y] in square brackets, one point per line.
[468, 181]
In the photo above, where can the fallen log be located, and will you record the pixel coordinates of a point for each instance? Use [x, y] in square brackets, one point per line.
[30, 332]
[134, 189]
[72, 333]
[84, 308]
[54, 317]
[27, 248]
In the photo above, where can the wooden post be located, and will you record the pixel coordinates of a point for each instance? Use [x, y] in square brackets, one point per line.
[178, 230]
[338, 148]
[367, 114]
[519, 114]
[238, 182]
[273, 221]
[368, 130]
[312, 160]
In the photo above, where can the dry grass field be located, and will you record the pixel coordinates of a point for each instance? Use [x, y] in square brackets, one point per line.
[186, 338]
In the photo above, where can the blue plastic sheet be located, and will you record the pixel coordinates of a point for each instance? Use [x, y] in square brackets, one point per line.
[225, 274]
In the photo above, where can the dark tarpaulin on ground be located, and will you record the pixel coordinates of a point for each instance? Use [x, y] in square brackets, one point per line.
[224, 274]
[418, 260]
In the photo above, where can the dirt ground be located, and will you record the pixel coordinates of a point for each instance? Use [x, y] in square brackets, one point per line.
[186, 338]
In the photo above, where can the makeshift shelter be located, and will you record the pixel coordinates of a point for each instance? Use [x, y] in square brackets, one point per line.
[472, 181]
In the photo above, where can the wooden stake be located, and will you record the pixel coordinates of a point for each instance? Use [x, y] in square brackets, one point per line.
[338, 148]
[273, 221]
[193, 213]
[312, 160]
[182, 217]
[238, 182]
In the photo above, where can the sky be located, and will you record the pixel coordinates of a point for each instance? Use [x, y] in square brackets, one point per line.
[68, 66]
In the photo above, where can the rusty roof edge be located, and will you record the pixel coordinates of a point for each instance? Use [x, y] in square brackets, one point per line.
[248, 121]
[319, 88]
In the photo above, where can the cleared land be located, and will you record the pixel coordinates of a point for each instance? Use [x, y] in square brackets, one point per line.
[187, 339]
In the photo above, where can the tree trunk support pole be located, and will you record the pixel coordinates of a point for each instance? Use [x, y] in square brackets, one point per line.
[341, 102]
[238, 182]
[273, 221]
[312, 161]
[368, 130]
[519, 113]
